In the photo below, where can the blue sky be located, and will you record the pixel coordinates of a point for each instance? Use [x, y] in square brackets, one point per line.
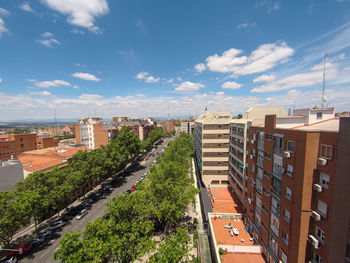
[137, 58]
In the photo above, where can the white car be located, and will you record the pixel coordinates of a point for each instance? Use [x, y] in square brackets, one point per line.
[81, 214]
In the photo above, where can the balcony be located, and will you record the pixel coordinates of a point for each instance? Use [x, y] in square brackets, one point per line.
[275, 210]
[277, 169]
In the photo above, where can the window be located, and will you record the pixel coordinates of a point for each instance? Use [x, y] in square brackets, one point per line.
[324, 180]
[290, 170]
[22, 145]
[290, 146]
[288, 193]
[317, 258]
[268, 136]
[319, 115]
[285, 237]
[326, 151]
[284, 257]
[21, 139]
[268, 155]
[319, 234]
[278, 145]
[322, 208]
[253, 168]
[287, 215]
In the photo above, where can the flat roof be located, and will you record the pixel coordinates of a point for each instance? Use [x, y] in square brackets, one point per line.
[242, 258]
[224, 201]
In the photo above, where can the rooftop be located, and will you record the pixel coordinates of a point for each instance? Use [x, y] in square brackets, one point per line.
[242, 257]
[223, 201]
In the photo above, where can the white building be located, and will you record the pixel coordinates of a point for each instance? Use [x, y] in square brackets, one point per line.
[11, 172]
[187, 126]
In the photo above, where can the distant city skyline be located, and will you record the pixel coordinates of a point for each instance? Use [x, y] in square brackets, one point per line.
[137, 58]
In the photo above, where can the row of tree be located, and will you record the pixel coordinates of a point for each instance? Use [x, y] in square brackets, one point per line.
[158, 206]
[43, 193]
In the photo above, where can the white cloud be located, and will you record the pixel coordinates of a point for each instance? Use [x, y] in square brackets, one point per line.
[200, 67]
[76, 87]
[179, 78]
[3, 28]
[49, 83]
[4, 12]
[147, 78]
[231, 85]
[313, 77]
[245, 25]
[140, 95]
[0, 80]
[48, 42]
[47, 35]
[140, 25]
[189, 86]
[80, 12]
[170, 80]
[85, 76]
[264, 78]
[341, 56]
[26, 7]
[270, 5]
[90, 97]
[78, 32]
[264, 58]
[41, 93]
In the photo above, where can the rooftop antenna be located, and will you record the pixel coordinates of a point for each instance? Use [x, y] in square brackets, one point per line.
[206, 108]
[324, 98]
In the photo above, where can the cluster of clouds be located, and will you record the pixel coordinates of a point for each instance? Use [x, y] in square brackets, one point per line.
[48, 40]
[146, 77]
[3, 28]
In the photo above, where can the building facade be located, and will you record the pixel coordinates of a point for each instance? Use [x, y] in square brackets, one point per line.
[13, 144]
[92, 133]
[293, 207]
[46, 142]
[211, 142]
[11, 172]
[239, 144]
[187, 126]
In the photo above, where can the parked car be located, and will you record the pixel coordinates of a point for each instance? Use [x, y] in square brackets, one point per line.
[142, 177]
[128, 191]
[146, 159]
[36, 243]
[81, 214]
[56, 225]
[67, 217]
[85, 204]
[154, 161]
[10, 260]
[21, 250]
[43, 234]
[108, 187]
[95, 197]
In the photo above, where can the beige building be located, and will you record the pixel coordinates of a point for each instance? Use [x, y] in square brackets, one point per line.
[238, 146]
[187, 126]
[211, 142]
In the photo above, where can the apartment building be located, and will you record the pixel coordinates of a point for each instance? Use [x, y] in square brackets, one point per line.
[211, 143]
[92, 132]
[13, 144]
[11, 172]
[238, 147]
[187, 126]
[297, 184]
[140, 128]
[46, 142]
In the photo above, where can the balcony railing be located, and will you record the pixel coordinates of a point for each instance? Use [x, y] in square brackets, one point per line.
[275, 210]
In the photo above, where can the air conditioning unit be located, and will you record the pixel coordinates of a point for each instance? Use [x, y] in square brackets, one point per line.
[313, 240]
[287, 154]
[249, 201]
[251, 156]
[316, 216]
[317, 188]
[321, 161]
[252, 141]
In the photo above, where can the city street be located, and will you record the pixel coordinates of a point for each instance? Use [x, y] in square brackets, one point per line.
[97, 209]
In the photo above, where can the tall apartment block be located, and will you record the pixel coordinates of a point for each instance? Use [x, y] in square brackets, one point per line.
[187, 126]
[92, 133]
[298, 187]
[13, 144]
[239, 145]
[211, 142]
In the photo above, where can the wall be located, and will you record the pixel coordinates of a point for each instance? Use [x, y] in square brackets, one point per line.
[10, 174]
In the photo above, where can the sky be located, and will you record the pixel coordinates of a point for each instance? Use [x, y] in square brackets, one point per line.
[140, 58]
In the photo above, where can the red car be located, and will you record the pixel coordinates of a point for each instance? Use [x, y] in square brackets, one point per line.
[23, 249]
[157, 153]
[133, 188]
[146, 159]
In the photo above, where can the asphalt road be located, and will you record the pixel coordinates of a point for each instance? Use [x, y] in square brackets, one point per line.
[45, 255]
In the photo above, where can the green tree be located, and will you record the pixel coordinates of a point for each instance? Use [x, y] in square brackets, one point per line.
[71, 249]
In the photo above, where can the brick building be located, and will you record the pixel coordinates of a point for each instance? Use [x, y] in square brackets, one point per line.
[93, 133]
[13, 144]
[297, 181]
[46, 142]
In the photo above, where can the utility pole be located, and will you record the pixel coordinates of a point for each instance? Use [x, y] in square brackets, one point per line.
[324, 98]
